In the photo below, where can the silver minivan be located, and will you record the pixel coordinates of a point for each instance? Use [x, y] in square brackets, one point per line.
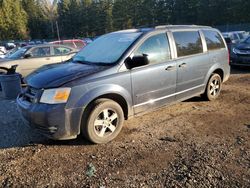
[121, 75]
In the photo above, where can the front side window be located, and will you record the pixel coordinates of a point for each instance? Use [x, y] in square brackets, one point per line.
[213, 40]
[188, 43]
[156, 48]
[61, 50]
[107, 49]
[40, 52]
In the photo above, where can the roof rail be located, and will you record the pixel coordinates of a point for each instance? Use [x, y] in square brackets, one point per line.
[162, 26]
[170, 25]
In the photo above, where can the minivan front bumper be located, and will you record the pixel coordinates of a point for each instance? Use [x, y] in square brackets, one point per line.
[53, 121]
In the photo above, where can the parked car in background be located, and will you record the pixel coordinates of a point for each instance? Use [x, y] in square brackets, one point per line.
[10, 45]
[74, 43]
[8, 53]
[3, 51]
[30, 58]
[235, 36]
[240, 54]
[121, 75]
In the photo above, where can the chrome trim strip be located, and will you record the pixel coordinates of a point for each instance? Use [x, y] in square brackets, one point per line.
[167, 96]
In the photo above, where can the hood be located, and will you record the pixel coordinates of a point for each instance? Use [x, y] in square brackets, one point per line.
[5, 60]
[243, 46]
[7, 63]
[55, 75]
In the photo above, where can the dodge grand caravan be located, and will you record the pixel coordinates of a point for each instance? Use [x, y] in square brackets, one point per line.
[121, 75]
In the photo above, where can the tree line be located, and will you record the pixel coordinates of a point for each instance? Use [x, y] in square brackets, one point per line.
[38, 19]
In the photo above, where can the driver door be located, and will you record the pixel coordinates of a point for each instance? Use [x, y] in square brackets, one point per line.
[154, 84]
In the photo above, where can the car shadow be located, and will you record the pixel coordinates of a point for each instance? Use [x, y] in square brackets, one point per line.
[74, 142]
[195, 99]
[32, 138]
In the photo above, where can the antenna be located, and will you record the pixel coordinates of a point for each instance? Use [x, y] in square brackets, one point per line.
[57, 30]
[58, 36]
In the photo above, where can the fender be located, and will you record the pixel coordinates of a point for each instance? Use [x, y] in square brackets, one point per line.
[91, 94]
[210, 72]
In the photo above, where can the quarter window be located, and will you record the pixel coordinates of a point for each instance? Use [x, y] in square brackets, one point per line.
[213, 40]
[188, 43]
[157, 49]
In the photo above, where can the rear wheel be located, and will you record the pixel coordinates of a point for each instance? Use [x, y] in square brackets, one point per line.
[213, 87]
[103, 121]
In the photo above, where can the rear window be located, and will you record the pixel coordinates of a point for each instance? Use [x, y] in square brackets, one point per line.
[213, 40]
[188, 43]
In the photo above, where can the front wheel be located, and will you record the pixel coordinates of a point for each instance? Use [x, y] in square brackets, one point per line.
[213, 87]
[103, 121]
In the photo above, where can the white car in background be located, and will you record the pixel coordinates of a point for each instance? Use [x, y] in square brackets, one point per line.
[30, 58]
[3, 51]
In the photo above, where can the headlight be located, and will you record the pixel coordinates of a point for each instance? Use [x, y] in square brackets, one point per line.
[236, 51]
[55, 96]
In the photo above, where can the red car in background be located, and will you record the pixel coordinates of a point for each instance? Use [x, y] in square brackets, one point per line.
[74, 43]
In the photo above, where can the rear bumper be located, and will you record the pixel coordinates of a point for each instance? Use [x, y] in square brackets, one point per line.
[54, 121]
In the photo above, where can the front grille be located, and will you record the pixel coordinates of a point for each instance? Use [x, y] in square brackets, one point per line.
[31, 94]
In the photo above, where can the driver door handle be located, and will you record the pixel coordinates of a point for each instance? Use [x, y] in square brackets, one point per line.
[182, 65]
[170, 68]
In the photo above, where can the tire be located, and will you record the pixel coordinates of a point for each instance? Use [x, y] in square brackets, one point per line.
[102, 121]
[213, 87]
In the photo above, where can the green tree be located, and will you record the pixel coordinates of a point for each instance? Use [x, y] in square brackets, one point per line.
[38, 25]
[13, 20]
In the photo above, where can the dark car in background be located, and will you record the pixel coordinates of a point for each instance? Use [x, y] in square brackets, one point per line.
[240, 54]
[235, 36]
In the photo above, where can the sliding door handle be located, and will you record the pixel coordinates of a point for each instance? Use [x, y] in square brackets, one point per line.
[182, 65]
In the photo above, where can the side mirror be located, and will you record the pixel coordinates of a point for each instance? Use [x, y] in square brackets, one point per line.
[26, 56]
[137, 61]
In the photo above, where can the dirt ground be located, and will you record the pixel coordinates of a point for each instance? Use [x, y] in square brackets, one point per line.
[190, 144]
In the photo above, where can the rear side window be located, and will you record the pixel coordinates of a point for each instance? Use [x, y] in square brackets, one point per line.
[188, 43]
[213, 40]
[61, 50]
[157, 49]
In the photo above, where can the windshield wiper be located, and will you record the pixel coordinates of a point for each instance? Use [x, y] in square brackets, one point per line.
[81, 62]
[93, 63]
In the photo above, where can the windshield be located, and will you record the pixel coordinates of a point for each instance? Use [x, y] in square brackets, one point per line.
[19, 53]
[107, 49]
